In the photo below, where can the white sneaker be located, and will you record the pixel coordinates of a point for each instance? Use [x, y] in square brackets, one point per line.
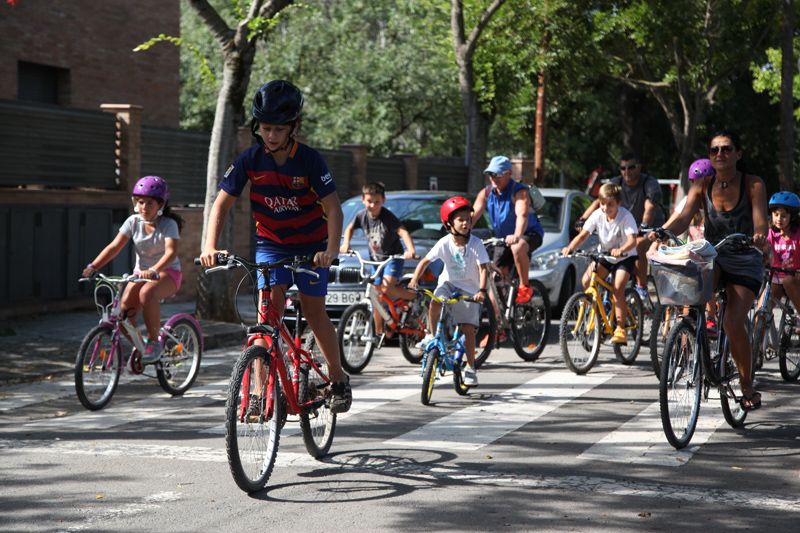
[424, 342]
[470, 377]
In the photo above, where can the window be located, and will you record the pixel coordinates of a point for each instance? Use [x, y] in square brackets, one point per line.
[42, 83]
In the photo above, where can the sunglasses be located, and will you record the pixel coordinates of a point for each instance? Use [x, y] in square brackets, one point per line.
[491, 174]
[629, 167]
[725, 149]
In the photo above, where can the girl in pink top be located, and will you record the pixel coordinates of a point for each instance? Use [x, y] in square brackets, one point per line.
[784, 240]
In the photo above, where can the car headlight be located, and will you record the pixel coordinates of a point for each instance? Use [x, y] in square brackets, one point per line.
[545, 261]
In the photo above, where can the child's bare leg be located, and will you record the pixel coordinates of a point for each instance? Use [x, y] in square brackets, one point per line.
[621, 278]
[394, 291]
[434, 311]
[150, 297]
[791, 284]
[469, 343]
[321, 325]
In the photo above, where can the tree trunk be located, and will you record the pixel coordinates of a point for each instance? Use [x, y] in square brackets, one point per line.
[538, 147]
[214, 300]
[477, 122]
[787, 143]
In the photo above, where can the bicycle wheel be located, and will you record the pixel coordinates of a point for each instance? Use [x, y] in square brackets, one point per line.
[530, 322]
[664, 318]
[729, 395]
[579, 333]
[458, 381]
[649, 309]
[253, 413]
[681, 385]
[97, 368]
[429, 375]
[416, 319]
[180, 359]
[789, 353]
[760, 340]
[484, 336]
[317, 422]
[356, 339]
[627, 353]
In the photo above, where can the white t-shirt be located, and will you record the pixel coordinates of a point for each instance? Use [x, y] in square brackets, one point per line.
[150, 248]
[461, 263]
[613, 233]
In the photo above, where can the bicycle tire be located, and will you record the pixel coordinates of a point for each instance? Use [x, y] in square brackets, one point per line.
[95, 385]
[252, 436]
[663, 319]
[760, 339]
[789, 353]
[627, 353]
[681, 385]
[579, 333]
[355, 335]
[180, 362]
[731, 407]
[317, 422]
[487, 330]
[416, 319]
[530, 322]
[429, 375]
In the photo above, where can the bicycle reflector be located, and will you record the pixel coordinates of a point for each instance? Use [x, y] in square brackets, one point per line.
[104, 299]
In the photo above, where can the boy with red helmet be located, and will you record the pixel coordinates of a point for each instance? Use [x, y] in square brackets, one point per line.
[465, 272]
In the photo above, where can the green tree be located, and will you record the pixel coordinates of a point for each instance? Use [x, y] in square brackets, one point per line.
[682, 52]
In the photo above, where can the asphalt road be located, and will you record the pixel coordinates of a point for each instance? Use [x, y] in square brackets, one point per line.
[533, 448]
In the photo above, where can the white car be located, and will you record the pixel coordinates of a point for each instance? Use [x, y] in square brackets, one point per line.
[560, 275]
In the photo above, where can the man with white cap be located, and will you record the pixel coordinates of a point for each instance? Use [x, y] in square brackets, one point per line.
[507, 202]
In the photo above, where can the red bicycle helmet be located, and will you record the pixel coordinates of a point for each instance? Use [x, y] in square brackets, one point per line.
[451, 205]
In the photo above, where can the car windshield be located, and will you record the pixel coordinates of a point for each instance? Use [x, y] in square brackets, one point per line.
[550, 214]
[419, 215]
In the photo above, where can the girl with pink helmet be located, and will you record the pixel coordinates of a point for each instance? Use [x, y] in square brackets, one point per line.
[155, 231]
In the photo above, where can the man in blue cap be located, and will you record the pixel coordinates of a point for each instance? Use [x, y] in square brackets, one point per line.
[507, 203]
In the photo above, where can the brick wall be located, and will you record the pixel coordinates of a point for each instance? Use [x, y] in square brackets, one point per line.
[94, 41]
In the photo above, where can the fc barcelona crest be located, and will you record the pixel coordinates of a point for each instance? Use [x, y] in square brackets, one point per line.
[298, 182]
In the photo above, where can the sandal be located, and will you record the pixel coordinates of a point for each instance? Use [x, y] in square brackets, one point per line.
[750, 402]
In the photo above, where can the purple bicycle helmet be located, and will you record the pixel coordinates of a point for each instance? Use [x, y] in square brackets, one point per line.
[153, 187]
[700, 169]
[785, 199]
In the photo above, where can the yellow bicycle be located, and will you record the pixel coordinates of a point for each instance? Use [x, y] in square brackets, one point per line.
[588, 320]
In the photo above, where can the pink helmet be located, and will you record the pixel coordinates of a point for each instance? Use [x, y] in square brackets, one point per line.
[153, 187]
[700, 169]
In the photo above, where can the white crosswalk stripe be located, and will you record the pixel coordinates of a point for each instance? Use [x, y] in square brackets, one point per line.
[639, 440]
[478, 425]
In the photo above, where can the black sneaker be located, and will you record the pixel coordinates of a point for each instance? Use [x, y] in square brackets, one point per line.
[342, 397]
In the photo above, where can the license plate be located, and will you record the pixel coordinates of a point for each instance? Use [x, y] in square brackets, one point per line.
[342, 297]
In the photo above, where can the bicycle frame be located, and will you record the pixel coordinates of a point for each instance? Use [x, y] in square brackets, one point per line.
[271, 331]
[765, 312]
[389, 309]
[446, 347]
[112, 316]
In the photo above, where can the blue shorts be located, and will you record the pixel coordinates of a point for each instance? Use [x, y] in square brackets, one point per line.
[306, 283]
[393, 268]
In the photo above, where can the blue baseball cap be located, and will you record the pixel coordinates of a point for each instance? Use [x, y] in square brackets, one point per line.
[498, 164]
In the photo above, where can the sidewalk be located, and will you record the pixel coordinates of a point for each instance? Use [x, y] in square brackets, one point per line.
[46, 346]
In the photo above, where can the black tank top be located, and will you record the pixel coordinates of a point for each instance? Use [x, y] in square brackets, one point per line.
[719, 224]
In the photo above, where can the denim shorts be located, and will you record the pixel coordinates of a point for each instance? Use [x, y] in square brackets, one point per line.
[306, 283]
[393, 268]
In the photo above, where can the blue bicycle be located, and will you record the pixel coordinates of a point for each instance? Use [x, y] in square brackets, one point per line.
[445, 352]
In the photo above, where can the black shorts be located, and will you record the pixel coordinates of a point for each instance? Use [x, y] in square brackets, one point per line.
[502, 256]
[726, 277]
[628, 265]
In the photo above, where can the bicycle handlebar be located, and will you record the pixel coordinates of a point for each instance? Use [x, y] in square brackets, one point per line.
[232, 261]
[453, 299]
[124, 278]
[597, 255]
[380, 265]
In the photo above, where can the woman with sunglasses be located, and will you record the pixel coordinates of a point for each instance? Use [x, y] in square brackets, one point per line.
[734, 202]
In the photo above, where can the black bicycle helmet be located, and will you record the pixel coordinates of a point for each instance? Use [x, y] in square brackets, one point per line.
[277, 102]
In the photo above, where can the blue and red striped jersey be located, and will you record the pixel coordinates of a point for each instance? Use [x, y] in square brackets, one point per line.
[285, 199]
